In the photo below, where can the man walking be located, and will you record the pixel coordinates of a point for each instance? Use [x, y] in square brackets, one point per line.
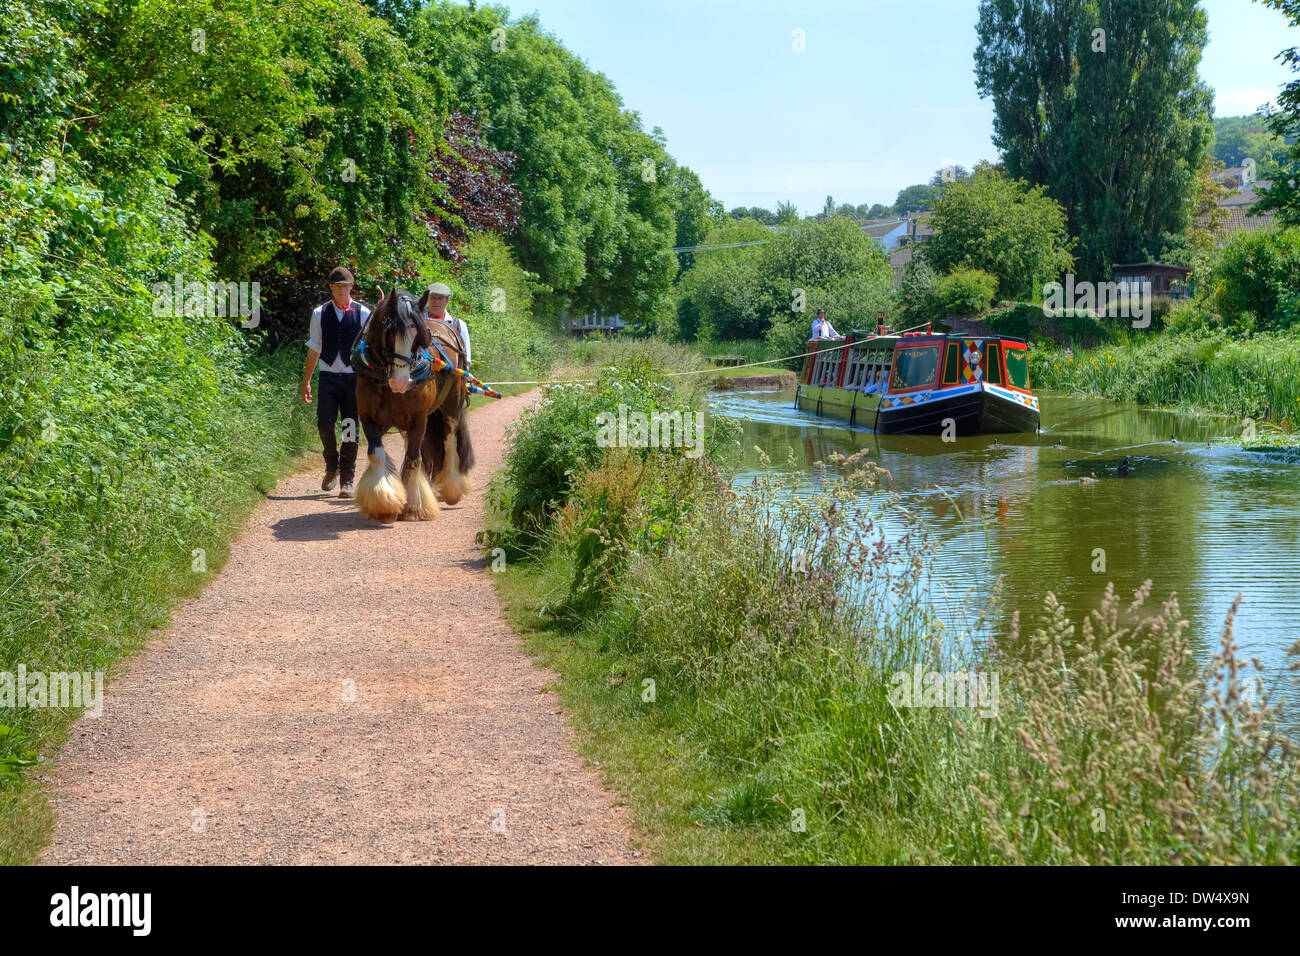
[334, 327]
[436, 311]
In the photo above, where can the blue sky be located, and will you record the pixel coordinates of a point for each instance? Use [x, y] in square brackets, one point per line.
[882, 96]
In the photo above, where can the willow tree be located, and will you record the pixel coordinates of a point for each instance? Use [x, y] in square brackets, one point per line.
[1100, 102]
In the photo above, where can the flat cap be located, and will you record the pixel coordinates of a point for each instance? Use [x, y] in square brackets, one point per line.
[340, 274]
[440, 288]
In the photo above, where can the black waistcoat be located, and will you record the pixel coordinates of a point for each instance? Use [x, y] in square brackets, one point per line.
[337, 336]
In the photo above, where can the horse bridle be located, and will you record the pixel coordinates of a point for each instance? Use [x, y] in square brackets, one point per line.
[419, 365]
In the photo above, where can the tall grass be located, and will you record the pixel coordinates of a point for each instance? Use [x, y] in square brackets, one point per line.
[1256, 378]
[126, 472]
[755, 641]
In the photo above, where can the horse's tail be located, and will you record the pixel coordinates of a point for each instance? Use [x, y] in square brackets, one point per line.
[464, 449]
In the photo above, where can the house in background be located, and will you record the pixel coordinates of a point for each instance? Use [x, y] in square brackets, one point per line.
[897, 231]
[1165, 280]
[918, 232]
[594, 321]
[1236, 205]
[885, 232]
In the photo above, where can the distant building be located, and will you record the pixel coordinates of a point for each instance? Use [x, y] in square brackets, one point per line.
[896, 231]
[917, 232]
[1236, 205]
[594, 321]
[885, 232]
[1165, 280]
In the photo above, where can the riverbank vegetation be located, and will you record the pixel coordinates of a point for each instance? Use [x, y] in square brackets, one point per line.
[750, 666]
[1254, 380]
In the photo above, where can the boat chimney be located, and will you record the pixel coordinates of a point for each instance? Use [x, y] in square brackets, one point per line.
[880, 323]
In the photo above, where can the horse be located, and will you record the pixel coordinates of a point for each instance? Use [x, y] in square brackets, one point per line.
[397, 387]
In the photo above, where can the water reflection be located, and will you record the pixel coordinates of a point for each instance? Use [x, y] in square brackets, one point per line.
[1048, 511]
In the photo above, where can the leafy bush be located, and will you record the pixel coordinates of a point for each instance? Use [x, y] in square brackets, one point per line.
[788, 335]
[1012, 230]
[1253, 281]
[1027, 321]
[555, 442]
[964, 292]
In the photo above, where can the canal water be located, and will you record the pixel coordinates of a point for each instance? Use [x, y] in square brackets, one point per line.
[1206, 522]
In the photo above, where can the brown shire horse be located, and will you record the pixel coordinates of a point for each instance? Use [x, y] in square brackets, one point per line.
[396, 388]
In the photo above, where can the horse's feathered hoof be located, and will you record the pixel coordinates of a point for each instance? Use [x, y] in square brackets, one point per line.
[379, 493]
[453, 484]
[421, 503]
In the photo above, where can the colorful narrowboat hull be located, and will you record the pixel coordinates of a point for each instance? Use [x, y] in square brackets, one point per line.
[921, 384]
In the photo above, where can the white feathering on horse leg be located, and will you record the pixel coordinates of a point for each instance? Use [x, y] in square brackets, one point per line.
[450, 481]
[421, 503]
[379, 494]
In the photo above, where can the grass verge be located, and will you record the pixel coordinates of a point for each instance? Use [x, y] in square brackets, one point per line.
[148, 524]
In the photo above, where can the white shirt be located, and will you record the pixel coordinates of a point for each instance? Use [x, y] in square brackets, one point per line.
[822, 329]
[461, 327]
[345, 348]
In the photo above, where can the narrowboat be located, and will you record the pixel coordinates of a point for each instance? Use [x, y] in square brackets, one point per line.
[914, 383]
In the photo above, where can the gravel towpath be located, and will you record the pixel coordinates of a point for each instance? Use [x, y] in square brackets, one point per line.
[232, 739]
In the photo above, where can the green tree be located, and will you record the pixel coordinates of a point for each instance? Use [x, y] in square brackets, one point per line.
[1238, 138]
[598, 218]
[916, 198]
[292, 135]
[1284, 194]
[1253, 281]
[784, 278]
[1100, 101]
[695, 211]
[765, 216]
[817, 255]
[722, 295]
[1004, 227]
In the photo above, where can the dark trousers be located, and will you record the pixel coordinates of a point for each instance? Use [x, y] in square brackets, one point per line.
[336, 397]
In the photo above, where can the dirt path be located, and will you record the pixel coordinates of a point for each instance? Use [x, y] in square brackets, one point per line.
[230, 740]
